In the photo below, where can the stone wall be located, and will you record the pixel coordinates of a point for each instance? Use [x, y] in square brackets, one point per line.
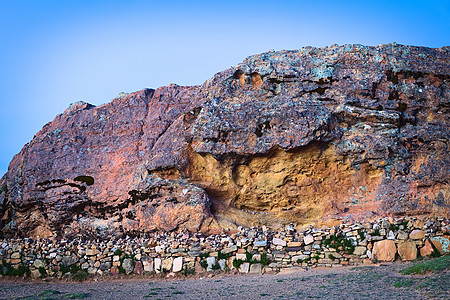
[249, 250]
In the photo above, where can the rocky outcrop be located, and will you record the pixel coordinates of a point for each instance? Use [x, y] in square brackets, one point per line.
[316, 135]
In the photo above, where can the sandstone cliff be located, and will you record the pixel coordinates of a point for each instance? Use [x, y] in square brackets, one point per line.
[316, 135]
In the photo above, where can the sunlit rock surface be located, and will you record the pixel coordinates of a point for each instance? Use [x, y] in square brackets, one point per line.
[311, 136]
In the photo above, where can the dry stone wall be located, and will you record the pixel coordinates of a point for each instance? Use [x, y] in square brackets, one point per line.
[248, 250]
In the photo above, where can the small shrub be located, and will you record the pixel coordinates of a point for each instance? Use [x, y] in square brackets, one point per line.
[204, 264]
[4, 188]
[361, 235]
[118, 252]
[216, 266]
[221, 255]
[264, 259]
[80, 276]
[187, 271]
[237, 263]
[330, 256]
[42, 271]
[204, 255]
[340, 242]
[248, 257]
[299, 261]
[375, 233]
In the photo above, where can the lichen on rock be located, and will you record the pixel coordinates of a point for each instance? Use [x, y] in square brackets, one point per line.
[315, 135]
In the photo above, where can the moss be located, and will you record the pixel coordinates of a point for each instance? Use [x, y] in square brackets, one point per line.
[403, 283]
[434, 266]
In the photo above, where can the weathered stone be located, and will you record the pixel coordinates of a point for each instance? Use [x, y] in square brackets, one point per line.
[360, 250]
[260, 243]
[442, 244]
[69, 260]
[256, 269]
[402, 235]
[427, 249]
[177, 264]
[114, 270]
[309, 239]
[92, 271]
[128, 265]
[91, 252]
[222, 264]
[166, 264]
[417, 234]
[278, 242]
[158, 264]
[38, 264]
[229, 249]
[407, 250]
[244, 268]
[211, 261]
[148, 265]
[384, 250]
[241, 256]
[35, 273]
[138, 268]
[289, 113]
[15, 255]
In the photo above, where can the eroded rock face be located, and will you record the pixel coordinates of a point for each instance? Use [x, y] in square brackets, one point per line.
[307, 136]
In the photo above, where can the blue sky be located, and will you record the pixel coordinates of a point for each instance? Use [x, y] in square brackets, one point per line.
[53, 53]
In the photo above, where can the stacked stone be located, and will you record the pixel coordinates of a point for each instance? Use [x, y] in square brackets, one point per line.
[248, 250]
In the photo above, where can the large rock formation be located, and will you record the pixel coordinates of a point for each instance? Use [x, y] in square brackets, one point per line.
[309, 136]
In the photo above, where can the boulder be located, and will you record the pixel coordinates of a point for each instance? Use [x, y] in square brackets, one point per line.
[384, 250]
[407, 250]
[177, 264]
[427, 249]
[128, 265]
[246, 138]
[256, 269]
[442, 244]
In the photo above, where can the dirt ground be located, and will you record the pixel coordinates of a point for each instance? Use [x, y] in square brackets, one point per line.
[365, 282]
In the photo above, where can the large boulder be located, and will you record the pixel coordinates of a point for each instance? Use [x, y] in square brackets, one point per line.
[384, 250]
[316, 134]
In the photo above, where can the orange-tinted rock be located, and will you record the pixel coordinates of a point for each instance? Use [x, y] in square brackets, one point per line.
[284, 137]
[407, 250]
[427, 249]
[441, 243]
[384, 250]
[417, 234]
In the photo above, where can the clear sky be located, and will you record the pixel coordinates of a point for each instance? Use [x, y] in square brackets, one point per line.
[53, 53]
